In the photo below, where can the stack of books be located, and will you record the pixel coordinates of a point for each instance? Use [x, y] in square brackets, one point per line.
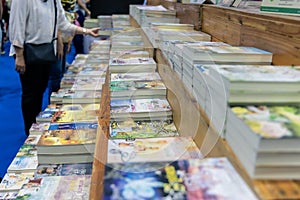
[145, 15]
[66, 146]
[132, 65]
[121, 21]
[153, 31]
[266, 140]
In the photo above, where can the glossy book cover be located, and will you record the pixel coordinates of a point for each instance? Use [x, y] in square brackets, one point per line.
[271, 121]
[194, 179]
[142, 129]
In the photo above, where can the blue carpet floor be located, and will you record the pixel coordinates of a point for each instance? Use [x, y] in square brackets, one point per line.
[12, 133]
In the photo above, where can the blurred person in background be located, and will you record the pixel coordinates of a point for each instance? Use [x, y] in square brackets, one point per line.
[32, 21]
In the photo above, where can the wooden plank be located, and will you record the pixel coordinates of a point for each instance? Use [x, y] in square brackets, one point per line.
[171, 5]
[278, 34]
[193, 16]
[154, 2]
[221, 26]
[286, 50]
[100, 153]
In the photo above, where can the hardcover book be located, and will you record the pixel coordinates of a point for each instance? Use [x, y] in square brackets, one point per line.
[142, 129]
[211, 178]
[152, 149]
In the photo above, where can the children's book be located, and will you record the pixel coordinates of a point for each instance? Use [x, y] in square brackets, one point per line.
[73, 126]
[23, 164]
[75, 116]
[67, 141]
[152, 149]
[38, 128]
[193, 179]
[14, 182]
[137, 89]
[57, 187]
[63, 170]
[141, 109]
[134, 76]
[81, 97]
[142, 129]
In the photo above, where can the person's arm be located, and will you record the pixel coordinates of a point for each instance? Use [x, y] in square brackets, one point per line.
[17, 25]
[60, 45]
[83, 6]
[20, 61]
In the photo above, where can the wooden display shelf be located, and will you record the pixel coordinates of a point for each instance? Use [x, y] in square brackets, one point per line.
[279, 34]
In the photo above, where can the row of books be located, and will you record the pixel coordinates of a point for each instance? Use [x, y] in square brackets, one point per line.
[147, 157]
[151, 154]
[222, 77]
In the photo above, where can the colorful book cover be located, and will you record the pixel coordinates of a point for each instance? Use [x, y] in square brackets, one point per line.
[271, 121]
[23, 164]
[80, 107]
[75, 116]
[32, 140]
[8, 195]
[139, 105]
[67, 137]
[73, 126]
[152, 149]
[142, 129]
[14, 182]
[27, 150]
[261, 73]
[63, 170]
[136, 85]
[132, 61]
[38, 128]
[57, 187]
[46, 115]
[134, 76]
[194, 179]
[88, 83]
[85, 96]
